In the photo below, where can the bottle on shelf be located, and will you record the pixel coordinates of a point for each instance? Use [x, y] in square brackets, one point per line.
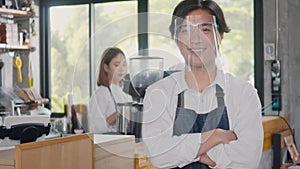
[31, 6]
[26, 38]
[74, 119]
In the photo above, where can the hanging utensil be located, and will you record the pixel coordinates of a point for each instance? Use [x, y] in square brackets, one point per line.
[18, 65]
[30, 74]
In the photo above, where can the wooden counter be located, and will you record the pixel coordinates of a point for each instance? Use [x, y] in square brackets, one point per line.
[83, 151]
[62, 153]
[116, 151]
[271, 125]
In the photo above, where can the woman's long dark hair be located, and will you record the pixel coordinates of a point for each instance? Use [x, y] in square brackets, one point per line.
[106, 58]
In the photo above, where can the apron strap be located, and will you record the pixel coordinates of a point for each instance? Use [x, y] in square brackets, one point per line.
[115, 103]
[180, 101]
[220, 96]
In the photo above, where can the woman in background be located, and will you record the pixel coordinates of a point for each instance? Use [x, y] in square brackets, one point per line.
[103, 113]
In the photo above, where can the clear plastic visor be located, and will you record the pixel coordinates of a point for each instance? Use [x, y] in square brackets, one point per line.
[199, 34]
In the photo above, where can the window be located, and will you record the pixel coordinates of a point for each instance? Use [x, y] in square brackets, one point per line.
[160, 42]
[238, 45]
[70, 47]
[69, 54]
[115, 29]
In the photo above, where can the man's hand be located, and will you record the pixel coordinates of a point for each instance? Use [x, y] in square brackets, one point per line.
[225, 136]
[206, 160]
[214, 137]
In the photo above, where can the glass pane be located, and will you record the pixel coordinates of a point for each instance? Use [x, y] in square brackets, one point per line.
[115, 25]
[160, 42]
[69, 54]
[237, 46]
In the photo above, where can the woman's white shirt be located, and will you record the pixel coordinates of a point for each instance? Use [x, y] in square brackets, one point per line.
[102, 104]
[244, 113]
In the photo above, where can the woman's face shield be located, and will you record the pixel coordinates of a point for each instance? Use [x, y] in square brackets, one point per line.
[198, 39]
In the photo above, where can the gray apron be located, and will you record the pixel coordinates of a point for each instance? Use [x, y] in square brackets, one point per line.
[188, 121]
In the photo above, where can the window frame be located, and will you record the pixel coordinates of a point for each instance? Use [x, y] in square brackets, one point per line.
[259, 49]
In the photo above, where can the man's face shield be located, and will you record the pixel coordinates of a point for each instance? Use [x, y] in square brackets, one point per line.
[198, 39]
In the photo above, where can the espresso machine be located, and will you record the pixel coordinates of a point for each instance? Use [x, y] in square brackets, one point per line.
[16, 126]
[143, 71]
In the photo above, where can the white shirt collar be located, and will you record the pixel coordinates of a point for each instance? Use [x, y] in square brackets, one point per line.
[182, 85]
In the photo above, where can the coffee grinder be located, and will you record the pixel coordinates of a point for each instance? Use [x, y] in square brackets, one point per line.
[143, 71]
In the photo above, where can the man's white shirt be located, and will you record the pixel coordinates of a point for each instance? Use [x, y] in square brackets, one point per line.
[244, 113]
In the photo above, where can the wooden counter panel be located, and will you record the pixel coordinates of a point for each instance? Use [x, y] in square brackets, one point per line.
[62, 153]
[271, 125]
[7, 159]
[141, 159]
[72, 152]
[115, 151]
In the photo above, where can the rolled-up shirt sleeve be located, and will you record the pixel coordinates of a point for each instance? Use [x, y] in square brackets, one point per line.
[163, 149]
[246, 151]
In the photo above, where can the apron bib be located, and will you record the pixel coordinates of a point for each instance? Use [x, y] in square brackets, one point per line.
[188, 121]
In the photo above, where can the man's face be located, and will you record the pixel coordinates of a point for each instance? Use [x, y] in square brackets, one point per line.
[196, 39]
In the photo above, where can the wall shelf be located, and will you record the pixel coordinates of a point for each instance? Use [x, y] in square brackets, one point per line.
[14, 47]
[14, 12]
